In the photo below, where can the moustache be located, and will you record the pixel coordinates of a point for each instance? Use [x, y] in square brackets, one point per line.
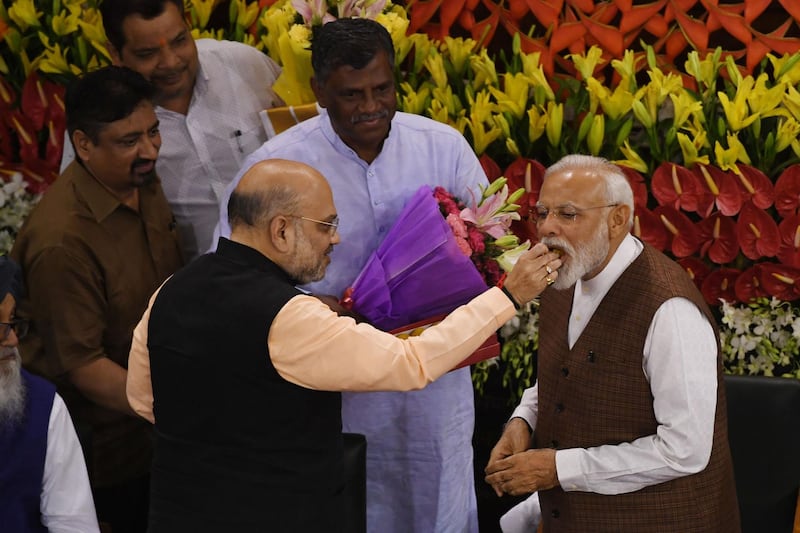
[371, 116]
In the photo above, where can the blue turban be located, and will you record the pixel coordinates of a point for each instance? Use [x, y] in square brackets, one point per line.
[10, 278]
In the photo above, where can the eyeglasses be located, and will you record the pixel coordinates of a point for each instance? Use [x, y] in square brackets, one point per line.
[566, 214]
[333, 225]
[19, 325]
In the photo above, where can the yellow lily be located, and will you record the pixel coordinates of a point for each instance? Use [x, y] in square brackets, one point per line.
[763, 100]
[587, 64]
[65, 23]
[514, 99]
[448, 99]
[791, 101]
[53, 60]
[434, 63]
[438, 112]
[788, 131]
[512, 147]
[796, 147]
[246, 14]
[704, 71]
[632, 159]
[277, 20]
[786, 68]
[501, 122]
[685, 106]
[415, 101]
[726, 158]
[200, 11]
[644, 106]
[689, 149]
[396, 23]
[24, 14]
[536, 123]
[459, 51]
[542, 92]
[594, 141]
[555, 120]
[615, 104]
[626, 68]
[484, 69]
[481, 107]
[482, 136]
[737, 114]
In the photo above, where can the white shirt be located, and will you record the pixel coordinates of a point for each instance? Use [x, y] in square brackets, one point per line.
[203, 150]
[66, 502]
[680, 363]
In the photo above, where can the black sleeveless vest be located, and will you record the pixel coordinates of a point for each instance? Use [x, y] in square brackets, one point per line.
[238, 448]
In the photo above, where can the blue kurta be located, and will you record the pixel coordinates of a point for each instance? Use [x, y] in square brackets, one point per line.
[419, 444]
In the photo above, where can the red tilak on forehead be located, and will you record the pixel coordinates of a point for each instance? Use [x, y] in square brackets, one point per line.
[162, 42]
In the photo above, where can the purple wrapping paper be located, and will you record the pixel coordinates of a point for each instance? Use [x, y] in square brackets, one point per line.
[417, 272]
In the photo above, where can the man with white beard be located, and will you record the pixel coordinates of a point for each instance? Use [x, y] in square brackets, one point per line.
[627, 422]
[43, 481]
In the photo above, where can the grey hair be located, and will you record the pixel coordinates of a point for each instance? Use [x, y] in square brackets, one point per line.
[617, 190]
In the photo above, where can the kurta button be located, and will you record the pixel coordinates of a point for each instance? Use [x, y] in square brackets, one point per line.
[555, 513]
[565, 371]
[590, 356]
[559, 407]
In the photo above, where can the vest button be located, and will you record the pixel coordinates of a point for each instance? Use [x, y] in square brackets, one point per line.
[559, 408]
[555, 513]
[590, 356]
[565, 371]
[554, 444]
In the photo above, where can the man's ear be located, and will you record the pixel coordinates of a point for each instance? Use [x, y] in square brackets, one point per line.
[618, 220]
[116, 56]
[318, 92]
[82, 144]
[281, 233]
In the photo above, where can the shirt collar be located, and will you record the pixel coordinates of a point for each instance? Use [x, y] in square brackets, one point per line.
[99, 200]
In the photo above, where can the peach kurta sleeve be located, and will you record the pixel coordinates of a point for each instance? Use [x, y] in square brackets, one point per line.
[138, 387]
[313, 347]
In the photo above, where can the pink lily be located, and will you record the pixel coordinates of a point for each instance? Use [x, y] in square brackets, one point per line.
[314, 12]
[490, 216]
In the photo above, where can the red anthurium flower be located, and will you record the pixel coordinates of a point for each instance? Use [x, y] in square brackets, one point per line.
[34, 100]
[684, 234]
[748, 284]
[37, 175]
[756, 186]
[56, 111]
[490, 168]
[789, 251]
[55, 144]
[527, 173]
[757, 233]
[638, 185]
[7, 94]
[719, 285]
[781, 281]
[675, 186]
[717, 236]
[26, 133]
[727, 194]
[696, 269]
[787, 191]
[648, 227]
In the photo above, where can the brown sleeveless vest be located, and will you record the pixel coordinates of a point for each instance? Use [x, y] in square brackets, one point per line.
[596, 393]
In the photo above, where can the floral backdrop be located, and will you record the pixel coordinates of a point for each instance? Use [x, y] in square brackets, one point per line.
[697, 100]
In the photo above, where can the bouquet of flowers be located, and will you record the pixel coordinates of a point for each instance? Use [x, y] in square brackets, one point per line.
[439, 254]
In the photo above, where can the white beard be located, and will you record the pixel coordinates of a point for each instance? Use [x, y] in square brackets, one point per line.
[581, 261]
[12, 389]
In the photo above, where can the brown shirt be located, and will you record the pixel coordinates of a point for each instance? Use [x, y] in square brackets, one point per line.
[90, 265]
